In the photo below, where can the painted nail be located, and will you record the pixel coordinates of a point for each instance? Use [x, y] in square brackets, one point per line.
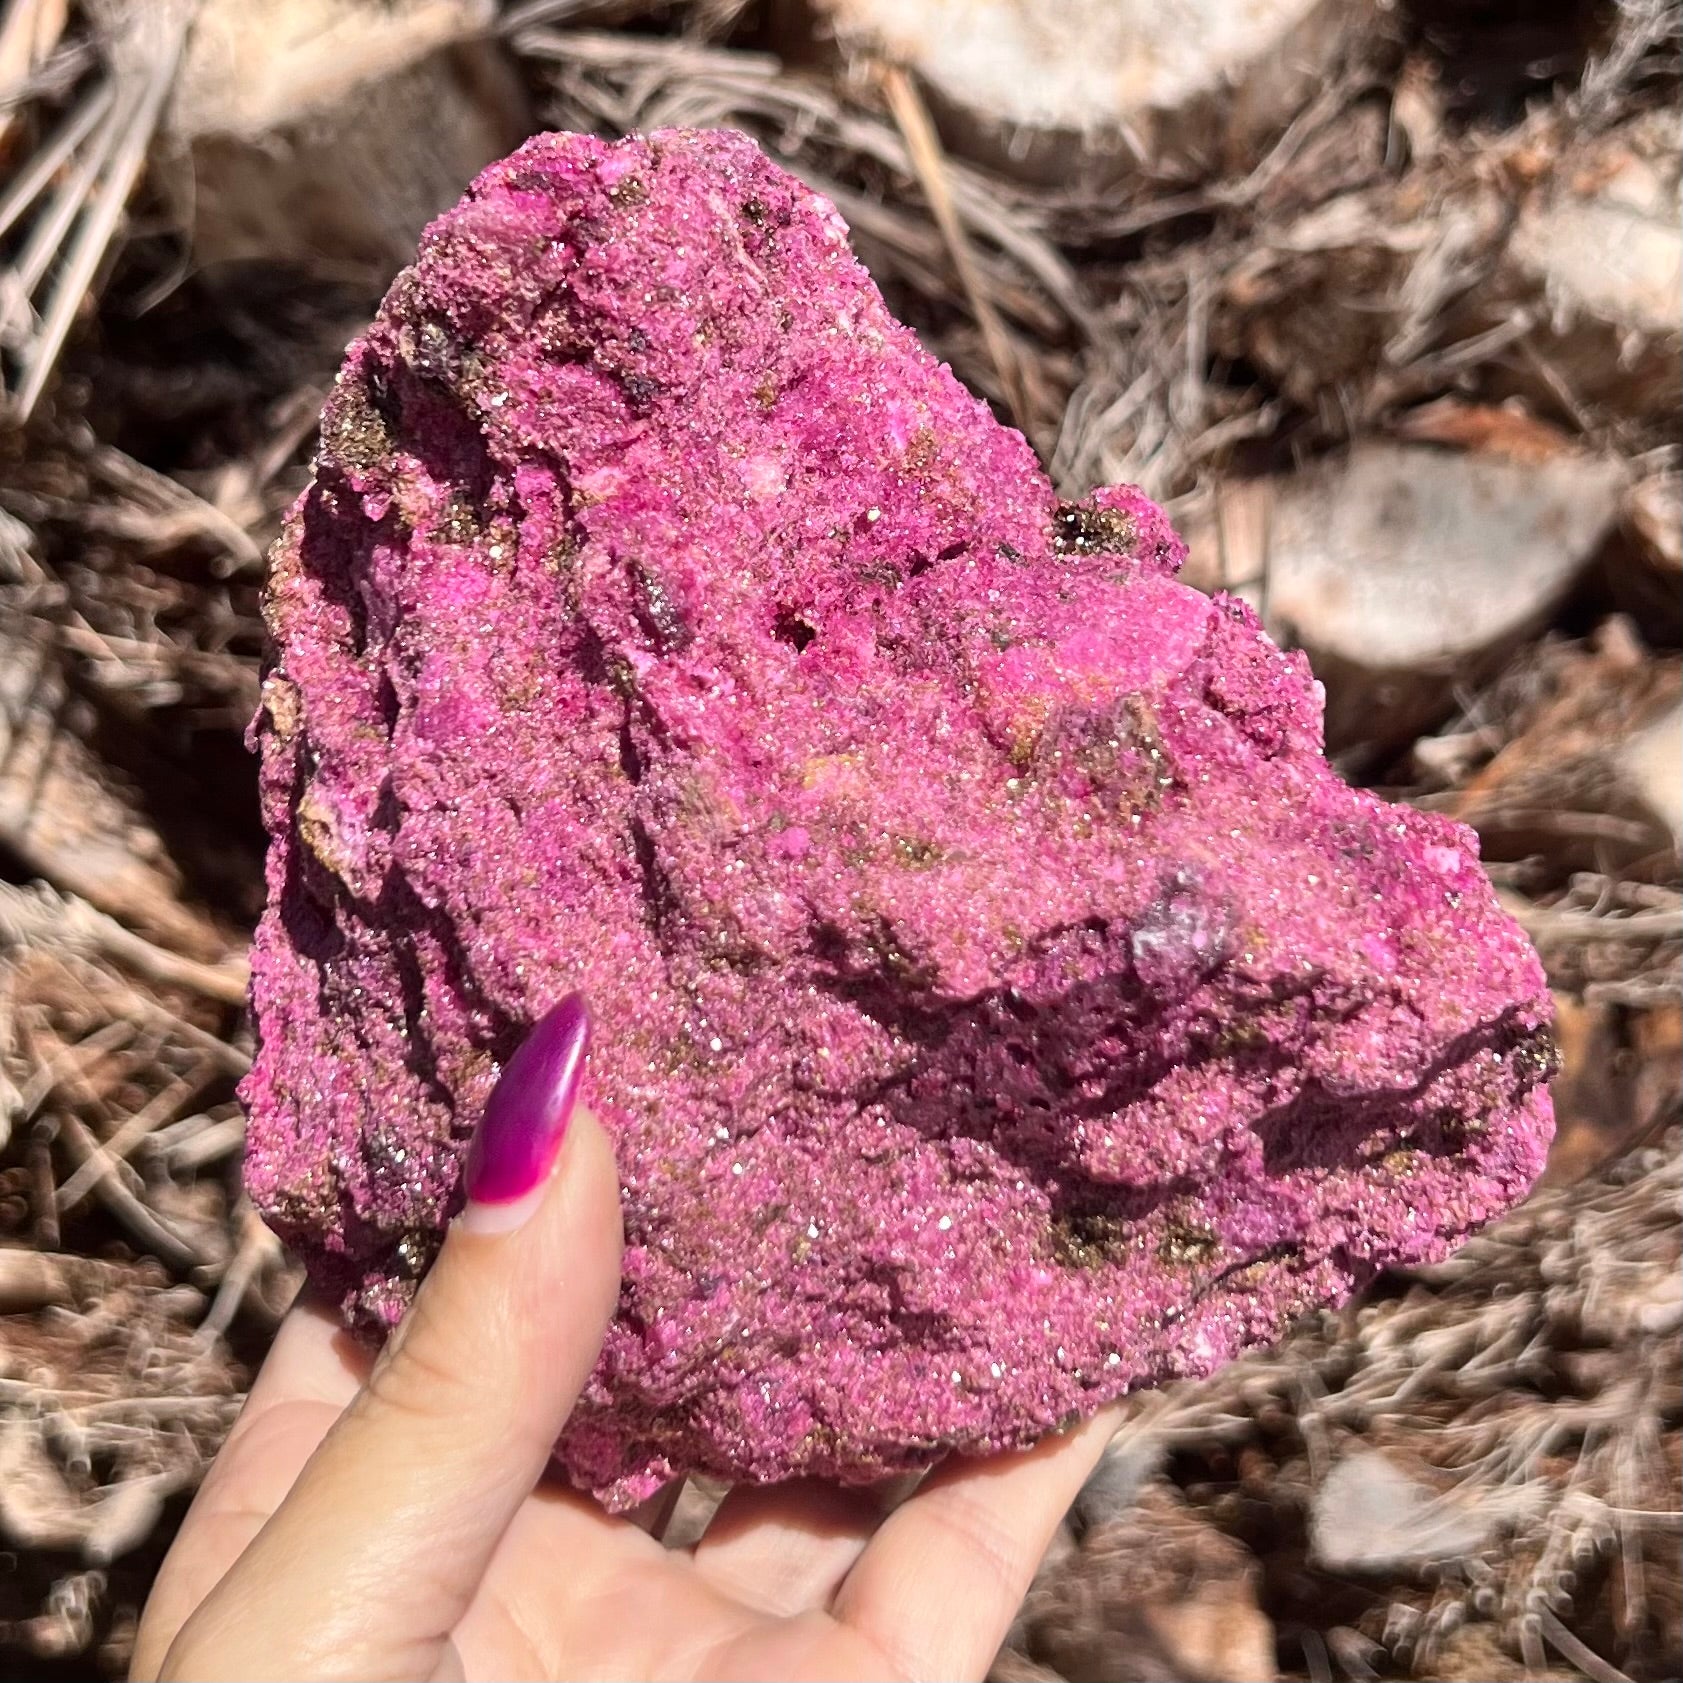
[526, 1120]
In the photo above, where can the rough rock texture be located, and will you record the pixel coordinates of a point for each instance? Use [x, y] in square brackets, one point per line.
[999, 1002]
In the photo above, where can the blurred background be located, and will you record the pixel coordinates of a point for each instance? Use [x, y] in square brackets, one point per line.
[1381, 297]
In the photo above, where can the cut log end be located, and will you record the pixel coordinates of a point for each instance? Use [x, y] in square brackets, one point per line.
[1403, 569]
[330, 132]
[1073, 90]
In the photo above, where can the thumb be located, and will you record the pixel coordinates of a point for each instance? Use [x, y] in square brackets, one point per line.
[374, 1556]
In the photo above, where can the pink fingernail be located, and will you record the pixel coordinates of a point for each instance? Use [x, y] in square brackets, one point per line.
[526, 1121]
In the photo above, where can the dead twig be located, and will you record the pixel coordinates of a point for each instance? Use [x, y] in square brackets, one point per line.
[38, 916]
[120, 1144]
[156, 1234]
[928, 161]
[258, 1250]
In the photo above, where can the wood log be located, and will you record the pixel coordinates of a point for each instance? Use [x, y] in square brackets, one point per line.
[1654, 511]
[330, 132]
[1076, 92]
[1435, 281]
[1373, 1513]
[1599, 248]
[1649, 768]
[1405, 570]
[1645, 577]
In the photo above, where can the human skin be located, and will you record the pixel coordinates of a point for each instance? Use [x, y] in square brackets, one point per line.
[390, 1517]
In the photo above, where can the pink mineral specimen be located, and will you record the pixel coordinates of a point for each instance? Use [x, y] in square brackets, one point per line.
[999, 1002]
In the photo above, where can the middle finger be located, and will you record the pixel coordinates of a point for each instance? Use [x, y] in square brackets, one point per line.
[785, 1548]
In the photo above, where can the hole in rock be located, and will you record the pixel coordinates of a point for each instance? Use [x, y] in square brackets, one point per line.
[792, 629]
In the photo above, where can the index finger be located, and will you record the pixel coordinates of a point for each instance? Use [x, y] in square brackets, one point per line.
[379, 1547]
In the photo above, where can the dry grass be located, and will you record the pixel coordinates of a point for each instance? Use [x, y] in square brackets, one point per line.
[1528, 1391]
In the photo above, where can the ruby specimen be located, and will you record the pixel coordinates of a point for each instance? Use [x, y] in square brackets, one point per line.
[999, 1002]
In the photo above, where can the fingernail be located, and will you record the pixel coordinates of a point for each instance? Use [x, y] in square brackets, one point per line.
[526, 1120]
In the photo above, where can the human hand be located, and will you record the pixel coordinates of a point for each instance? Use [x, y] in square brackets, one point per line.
[390, 1519]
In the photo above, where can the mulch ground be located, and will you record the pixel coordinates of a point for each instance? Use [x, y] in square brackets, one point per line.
[1472, 1474]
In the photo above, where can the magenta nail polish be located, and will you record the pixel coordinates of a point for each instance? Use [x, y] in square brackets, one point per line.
[529, 1109]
